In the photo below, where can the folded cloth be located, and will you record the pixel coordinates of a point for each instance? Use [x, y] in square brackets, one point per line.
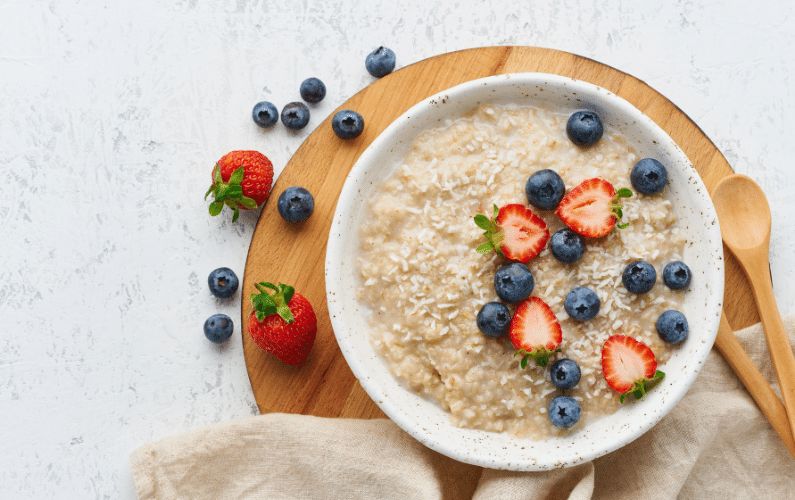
[714, 444]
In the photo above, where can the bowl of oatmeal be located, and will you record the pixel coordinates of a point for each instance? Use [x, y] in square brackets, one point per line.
[412, 276]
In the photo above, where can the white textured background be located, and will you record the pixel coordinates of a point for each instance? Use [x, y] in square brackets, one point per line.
[112, 114]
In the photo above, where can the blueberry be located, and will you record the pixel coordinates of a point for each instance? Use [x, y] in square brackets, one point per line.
[265, 114]
[513, 282]
[545, 189]
[584, 128]
[639, 276]
[648, 176]
[582, 304]
[347, 124]
[493, 319]
[295, 204]
[295, 115]
[564, 373]
[218, 328]
[672, 326]
[676, 275]
[380, 62]
[222, 282]
[567, 246]
[313, 90]
[564, 411]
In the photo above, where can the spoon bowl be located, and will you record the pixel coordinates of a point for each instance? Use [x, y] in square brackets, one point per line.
[743, 212]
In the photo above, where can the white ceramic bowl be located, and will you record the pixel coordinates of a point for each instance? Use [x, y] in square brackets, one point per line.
[424, 419]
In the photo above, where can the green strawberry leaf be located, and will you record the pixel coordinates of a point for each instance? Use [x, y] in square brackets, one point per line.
[215, 208]
[624, 193]
[622, 225]
[266, 303]
[483, 222]
[523, 363]
[247, 202]
[485, 248]
[237, 177]
[235, 214]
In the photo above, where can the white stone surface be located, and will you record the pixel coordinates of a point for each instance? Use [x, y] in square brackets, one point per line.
[112, 114]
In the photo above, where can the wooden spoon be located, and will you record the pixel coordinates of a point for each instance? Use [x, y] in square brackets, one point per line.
[755, 383]
[745, 226]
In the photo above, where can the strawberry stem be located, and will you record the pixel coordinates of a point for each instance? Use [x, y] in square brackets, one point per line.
[266, 303]
[540, 356]
[228, 194]
[642, 386]
[491, 232]
[617, 208]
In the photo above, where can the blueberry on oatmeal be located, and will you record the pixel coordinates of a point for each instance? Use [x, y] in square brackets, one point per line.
[564, 373]
[493, 319]
[584, 128]
[582, 304]
[567, 246]
[639, 277]
[513, 282]
[648, 176]
[672, 327]
[545, 189]
[564, 412]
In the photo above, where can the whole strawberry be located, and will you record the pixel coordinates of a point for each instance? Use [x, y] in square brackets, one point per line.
[282, 322]
[241, 180]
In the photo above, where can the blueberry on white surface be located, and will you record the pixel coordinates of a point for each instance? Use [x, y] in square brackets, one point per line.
[295, 115]
[218, 328]
[223, 282]
[312, 90]
[265, 114]
[380, 62]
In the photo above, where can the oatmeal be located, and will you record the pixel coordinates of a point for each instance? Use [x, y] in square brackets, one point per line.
[424, 283]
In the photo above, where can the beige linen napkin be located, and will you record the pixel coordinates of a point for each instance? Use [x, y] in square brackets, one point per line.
[714, 444]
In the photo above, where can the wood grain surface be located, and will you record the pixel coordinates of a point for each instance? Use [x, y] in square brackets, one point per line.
[324, 385]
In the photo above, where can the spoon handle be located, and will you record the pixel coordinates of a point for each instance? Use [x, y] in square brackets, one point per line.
[755, 383]
[777, 337]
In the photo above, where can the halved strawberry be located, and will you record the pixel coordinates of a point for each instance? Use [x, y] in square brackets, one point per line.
[629, 366]
[592, 208]
[514, 231]
[535, 331]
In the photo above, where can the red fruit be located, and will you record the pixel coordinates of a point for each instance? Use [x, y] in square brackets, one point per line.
[282, 323]
[514, 231]
[241, 180]
[592, 208]
[535, 331]
[629, 366]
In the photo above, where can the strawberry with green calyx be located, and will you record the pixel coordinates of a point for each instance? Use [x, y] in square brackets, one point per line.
[535, 332]
[514, 232]
[629, 366]
[241, 181]
[593, 208]
[282, 322]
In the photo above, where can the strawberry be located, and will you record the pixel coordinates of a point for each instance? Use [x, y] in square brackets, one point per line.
[514, 231]
[629, 366]
[241, 180]
[535, 331]
[593, 208]
[282, 323]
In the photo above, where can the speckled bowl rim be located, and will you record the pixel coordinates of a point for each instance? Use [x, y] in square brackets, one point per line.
[424, 419]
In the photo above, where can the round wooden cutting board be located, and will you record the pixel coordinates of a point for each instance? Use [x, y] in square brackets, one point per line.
[324, 385]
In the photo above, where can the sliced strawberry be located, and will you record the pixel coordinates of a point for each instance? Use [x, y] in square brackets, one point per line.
[592, 208]
[514, 231]
[535, 331]
[629, 366]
